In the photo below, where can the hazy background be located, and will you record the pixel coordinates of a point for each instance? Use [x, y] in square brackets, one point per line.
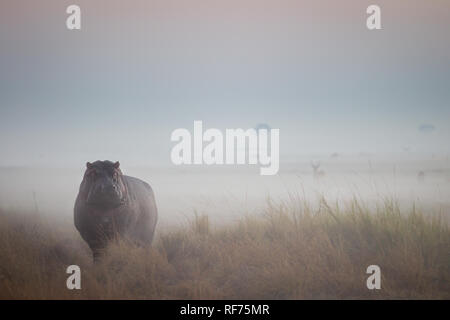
[140, 69]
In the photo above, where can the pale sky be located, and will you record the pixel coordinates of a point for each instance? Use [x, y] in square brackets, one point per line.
[140, 69]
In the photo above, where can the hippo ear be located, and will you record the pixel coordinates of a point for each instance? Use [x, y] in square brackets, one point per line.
[88, 165]
[117, 165]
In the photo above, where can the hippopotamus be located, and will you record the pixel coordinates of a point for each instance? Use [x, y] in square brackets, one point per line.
[110, 205]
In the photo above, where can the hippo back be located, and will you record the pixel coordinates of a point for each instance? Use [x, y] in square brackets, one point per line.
[141, 202]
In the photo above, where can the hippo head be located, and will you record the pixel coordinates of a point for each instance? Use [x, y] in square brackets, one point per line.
[103, 184]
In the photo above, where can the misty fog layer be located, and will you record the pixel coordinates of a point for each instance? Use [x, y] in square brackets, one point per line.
[226, 193]
[136, 71]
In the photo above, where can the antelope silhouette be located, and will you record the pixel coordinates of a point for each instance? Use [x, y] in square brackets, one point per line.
[316, 172]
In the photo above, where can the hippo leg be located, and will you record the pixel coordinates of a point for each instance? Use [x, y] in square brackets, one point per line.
[97, 248]
[96, 255]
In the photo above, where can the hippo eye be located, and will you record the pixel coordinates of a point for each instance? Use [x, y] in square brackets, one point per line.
[115, 176]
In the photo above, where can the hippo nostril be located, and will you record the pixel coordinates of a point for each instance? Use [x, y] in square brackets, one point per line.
[112, 189]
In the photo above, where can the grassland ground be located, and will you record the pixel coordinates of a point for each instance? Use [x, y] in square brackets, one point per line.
[289, 251]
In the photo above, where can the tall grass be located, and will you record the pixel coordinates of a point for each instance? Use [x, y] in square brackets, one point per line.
[288, 252]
